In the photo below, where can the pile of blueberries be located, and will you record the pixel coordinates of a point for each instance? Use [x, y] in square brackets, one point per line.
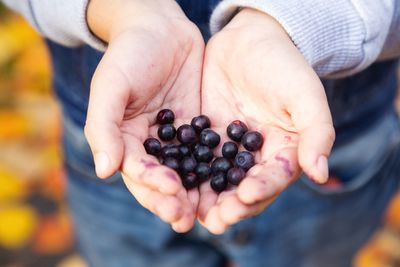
[193, 159]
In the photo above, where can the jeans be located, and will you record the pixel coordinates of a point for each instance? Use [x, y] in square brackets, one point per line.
[307, 226]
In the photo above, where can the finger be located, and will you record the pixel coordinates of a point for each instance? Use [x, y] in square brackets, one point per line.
[232, 210]
[146, 170]
[107, 102]
[194, 197]
[186, 222]
[213, 222]
[208, 198]
[312, 118]
[268, 180]
[210, 210]
[314, 148]
[168, 208]
[178, 210]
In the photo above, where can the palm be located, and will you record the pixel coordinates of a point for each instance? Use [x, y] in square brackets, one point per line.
[278, 156]
[135, 130]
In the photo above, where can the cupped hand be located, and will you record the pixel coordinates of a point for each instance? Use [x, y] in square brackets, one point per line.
[254, 73]
[153, 61]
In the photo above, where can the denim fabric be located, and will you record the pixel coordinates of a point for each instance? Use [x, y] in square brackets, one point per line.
[307, 225]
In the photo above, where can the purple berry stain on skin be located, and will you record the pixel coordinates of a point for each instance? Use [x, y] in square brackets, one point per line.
[171, 175]
[286, 165]
[149, 164]
[287, 139]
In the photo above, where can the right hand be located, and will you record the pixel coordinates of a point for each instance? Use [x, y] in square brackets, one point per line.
[253, 72]
[153, 61]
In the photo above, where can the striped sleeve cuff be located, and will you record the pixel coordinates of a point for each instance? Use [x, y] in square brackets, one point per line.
[61, 21]
[332, 35]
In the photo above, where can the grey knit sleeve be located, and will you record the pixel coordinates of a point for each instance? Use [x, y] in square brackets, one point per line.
[61, 21]
[337, 37]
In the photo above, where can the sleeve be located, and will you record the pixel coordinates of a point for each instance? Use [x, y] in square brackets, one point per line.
[61, 21]
[337, 37]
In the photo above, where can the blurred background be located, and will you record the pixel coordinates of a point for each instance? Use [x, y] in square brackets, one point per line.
[35, 227]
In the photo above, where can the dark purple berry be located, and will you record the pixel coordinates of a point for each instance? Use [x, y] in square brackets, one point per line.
[221, 164]
[152, 146]
[170, 151]
[186, 134]
[203, 153]
[166, 132]
[200, 123]
[252, 141]
[235, 175]
[203, 171]
[193, 147]
[184, 150]
[190, 181]
[219, 182]
[165, 116]
[244, 160]
[229, 150]
[188, 164]
[236, 130]
[171, 163]
[209, 138]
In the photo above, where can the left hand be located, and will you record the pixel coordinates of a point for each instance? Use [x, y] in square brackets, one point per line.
[153, 61]
[253, 72]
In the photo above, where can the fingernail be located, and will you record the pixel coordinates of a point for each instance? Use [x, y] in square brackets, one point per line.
[102, 161]
[322, 166]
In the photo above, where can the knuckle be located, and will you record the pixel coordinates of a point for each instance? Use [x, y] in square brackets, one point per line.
[330, 133]
[88, 130]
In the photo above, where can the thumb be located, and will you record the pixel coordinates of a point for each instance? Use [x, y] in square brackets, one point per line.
[125, 74]
[312, 118]
[108, 99]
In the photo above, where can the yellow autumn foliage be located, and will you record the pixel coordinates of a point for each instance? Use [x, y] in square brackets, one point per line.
[15, 36]
[11, 186]
[14, 125]
[17, 225]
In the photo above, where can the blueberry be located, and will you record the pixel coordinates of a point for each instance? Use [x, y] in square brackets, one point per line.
[235, 175]
[221, 164]
[152, 146]
[219, 182]
[184, 150]
[252, 141]
[203, 171]
[203, 153]
[186, 134]
[209, 138]
[244, 160]
[229, 150]
[165, 116]
[170, 151]
[190, 181]
[200, 123]
[236, 130]
[188, 165]
[194, 147]
[166, 132]
[171, 163]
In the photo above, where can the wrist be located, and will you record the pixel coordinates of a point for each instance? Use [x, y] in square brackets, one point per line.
[107, 19]
[258, 21]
